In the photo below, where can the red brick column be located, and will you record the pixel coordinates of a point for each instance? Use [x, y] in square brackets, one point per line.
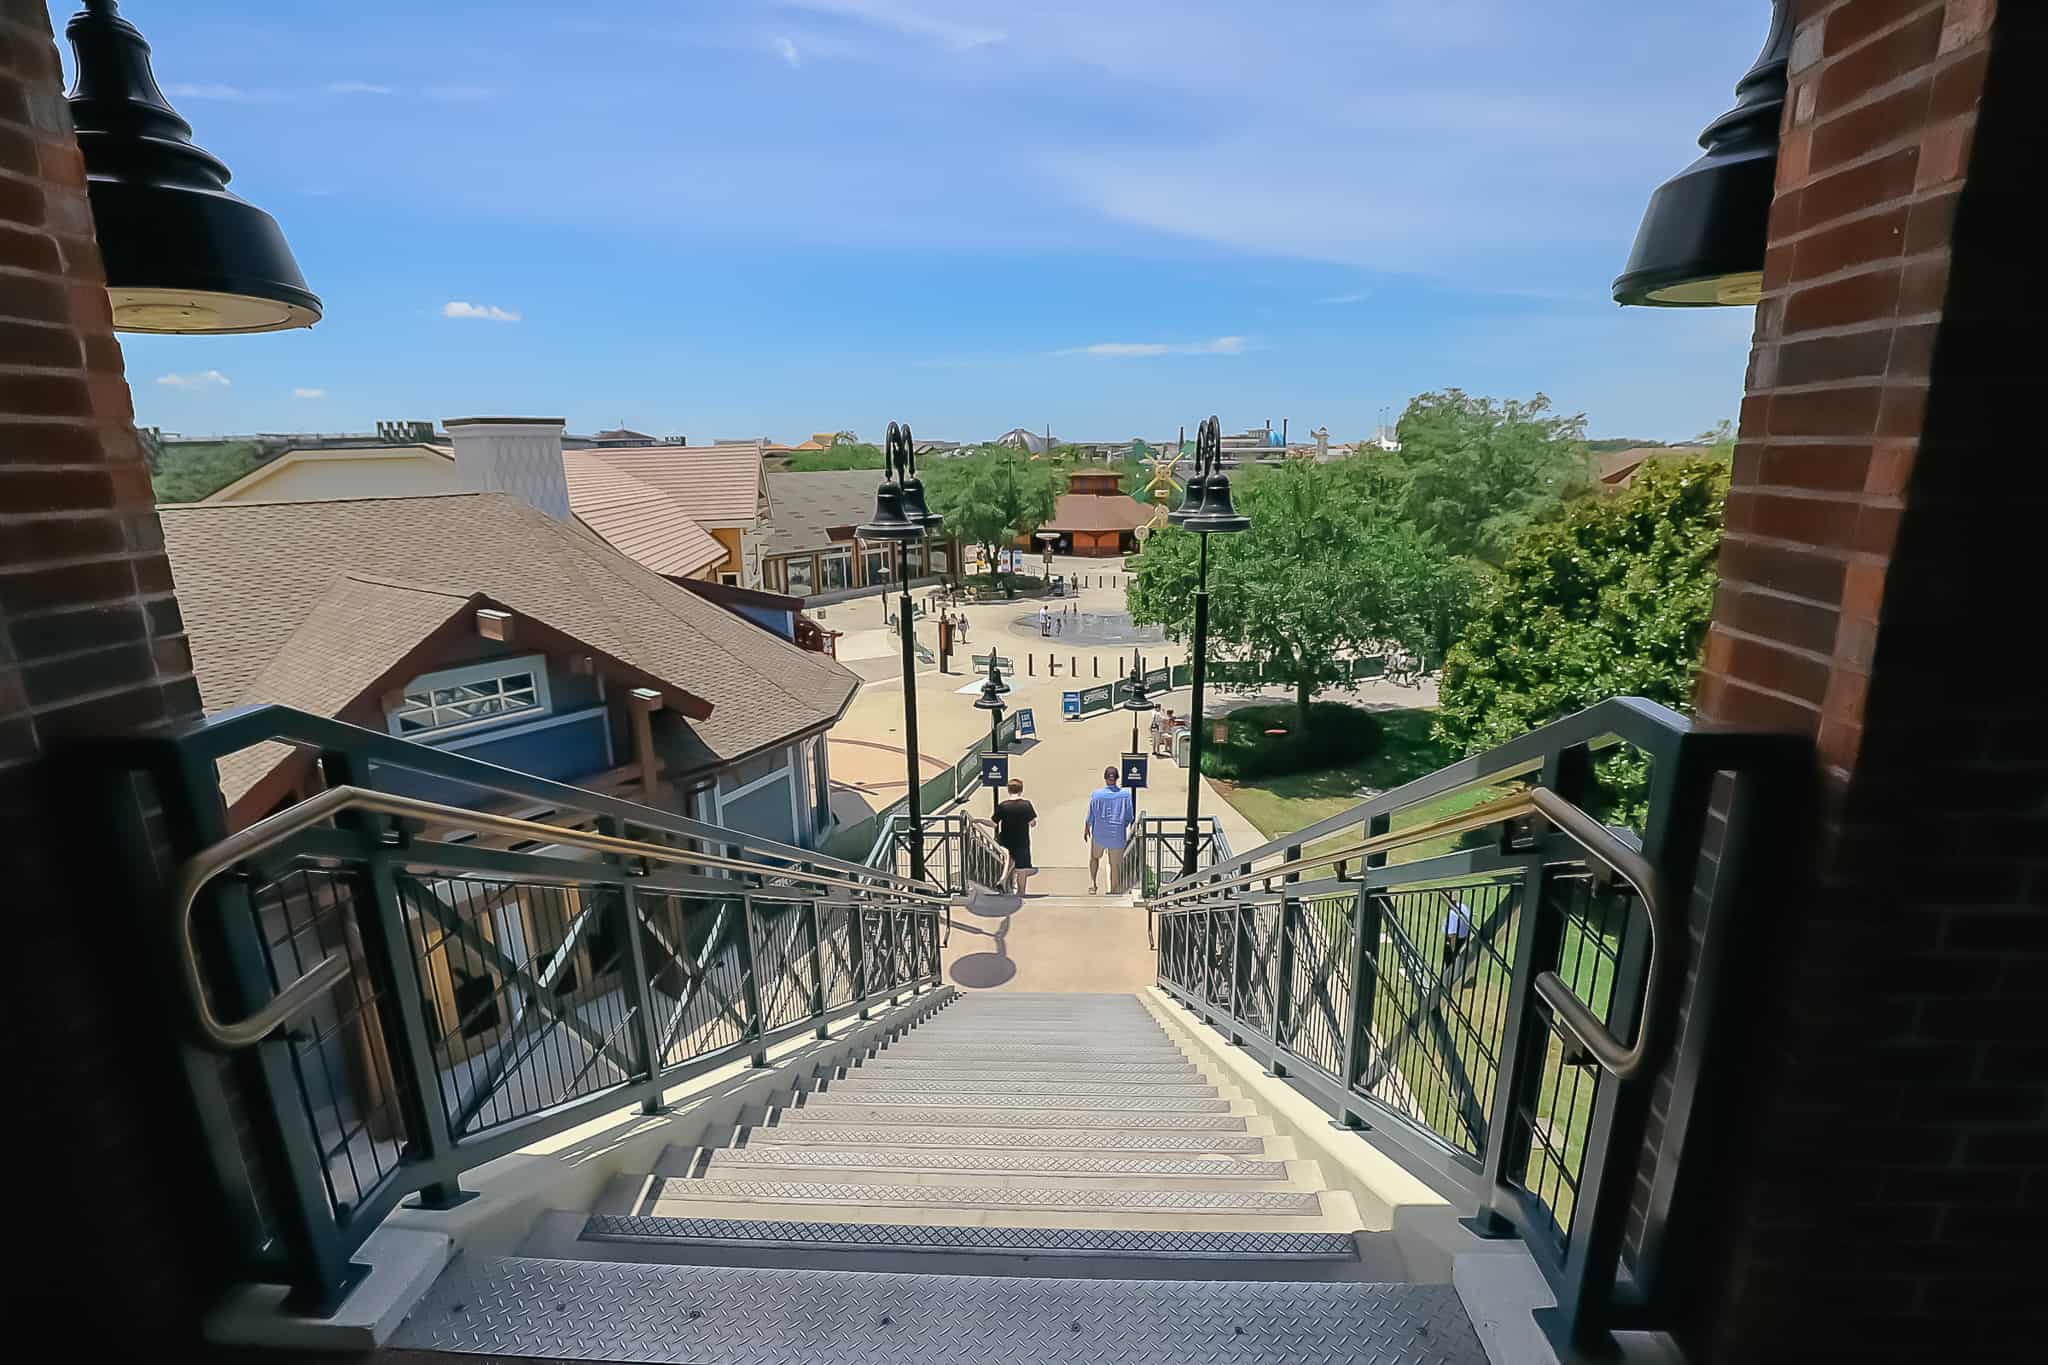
[1882, 1131]
[90, 645]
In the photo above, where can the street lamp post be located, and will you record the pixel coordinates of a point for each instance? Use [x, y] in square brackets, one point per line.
[901, 516]
[991, 701]
[1137, 700]
[1206, 510]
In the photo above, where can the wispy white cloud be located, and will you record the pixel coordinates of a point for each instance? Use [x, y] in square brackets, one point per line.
[358, 88]
[785, 47]
[309, 393]
[910, 20]
[1357, 296]
[203, 379]
[214, 90]
[488, 312]
[1126, 349]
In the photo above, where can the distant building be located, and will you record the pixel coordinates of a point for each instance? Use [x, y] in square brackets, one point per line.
[493, 623]
[1617, 469]
[810, 549]
[1031, 442]
[1095, 517]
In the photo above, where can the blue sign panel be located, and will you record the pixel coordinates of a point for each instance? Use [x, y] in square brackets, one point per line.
[1135, 768]
[1027, 724]
[995, 769]
[1070, 704]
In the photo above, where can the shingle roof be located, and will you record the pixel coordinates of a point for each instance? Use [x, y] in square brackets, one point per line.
[719, 485]
[1098, 512]
[803, 507]
[1617, 467]
[251, 576]
[637, 518]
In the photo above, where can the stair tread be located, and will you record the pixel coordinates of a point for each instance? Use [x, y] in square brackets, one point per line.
[884, 1084]
[1039, 1240]
[668, 1193]
[1070, 1099]
[990, 1161]
[999, 1117]
[1086, 1139]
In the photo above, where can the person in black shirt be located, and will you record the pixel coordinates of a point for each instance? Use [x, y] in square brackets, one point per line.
[1014, 819]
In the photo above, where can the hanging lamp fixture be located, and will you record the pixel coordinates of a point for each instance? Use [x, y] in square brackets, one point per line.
[1701, 243]
[182, 254]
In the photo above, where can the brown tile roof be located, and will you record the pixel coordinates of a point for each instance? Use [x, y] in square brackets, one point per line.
[719, 485]
[636, 518]
[251, 575]
[1617, 467]
[1098, 512]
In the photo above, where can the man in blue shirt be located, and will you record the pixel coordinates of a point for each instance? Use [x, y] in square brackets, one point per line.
[1107, 830]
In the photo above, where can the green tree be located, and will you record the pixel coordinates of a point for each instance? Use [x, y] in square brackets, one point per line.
[1719, 439]
[1610, 600]
[992, 494]
[1479, 471]
[839, 455]
[189, 472]
[1326, 571]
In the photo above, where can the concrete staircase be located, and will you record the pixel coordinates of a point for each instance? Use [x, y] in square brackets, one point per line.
[1019, 1177]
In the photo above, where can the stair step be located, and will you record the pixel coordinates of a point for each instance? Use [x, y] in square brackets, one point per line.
[1156, 1072]
[822, 1134]
[670, 1196]
[1071, 1099]
[1037, 1241]
[987, 1055]
[984, 1161]
[993, 1117]
[858, 1084]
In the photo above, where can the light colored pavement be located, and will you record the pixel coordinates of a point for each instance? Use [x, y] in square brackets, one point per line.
[1065, 762]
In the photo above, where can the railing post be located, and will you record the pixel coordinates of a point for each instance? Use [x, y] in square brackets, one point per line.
[639, 981]
[1365, 944]
[388, 958]
[856, 947]
[1283, 989]
[816, 917]
[750, 985]
[1525, 1041]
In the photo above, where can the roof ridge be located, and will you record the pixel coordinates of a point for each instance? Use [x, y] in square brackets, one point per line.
[406, 584]
[182, 507]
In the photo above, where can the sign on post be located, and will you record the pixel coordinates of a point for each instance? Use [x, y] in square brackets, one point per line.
[1135, 768]
[1027, 724]
[995, 769]
[1070, 704]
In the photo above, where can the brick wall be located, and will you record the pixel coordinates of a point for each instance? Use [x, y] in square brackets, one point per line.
[1881, 1133]
[90, 645]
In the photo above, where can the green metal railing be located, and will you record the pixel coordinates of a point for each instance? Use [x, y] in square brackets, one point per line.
[383, 992]
[1496, 1008]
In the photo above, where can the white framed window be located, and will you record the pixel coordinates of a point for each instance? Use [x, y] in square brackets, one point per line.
[838, 570]
[479, 694]
[799, 580]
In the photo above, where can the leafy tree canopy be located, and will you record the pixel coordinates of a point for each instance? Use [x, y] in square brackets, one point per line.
[1330, 569]
[991, 494]
[839, 455]
[1478, 471]
[187, 473]
[1610, 600]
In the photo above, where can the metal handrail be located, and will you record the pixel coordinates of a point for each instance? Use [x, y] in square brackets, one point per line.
[1619, 1060]
[324, 975]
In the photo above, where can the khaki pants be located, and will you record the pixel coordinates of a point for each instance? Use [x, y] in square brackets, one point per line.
[1115, 856]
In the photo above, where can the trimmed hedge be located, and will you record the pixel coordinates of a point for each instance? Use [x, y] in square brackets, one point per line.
[1337, 734]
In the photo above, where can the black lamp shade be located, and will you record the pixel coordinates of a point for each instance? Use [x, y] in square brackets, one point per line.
[1218, 516]
[890, 523]
[182, 254]
[1701, 242]
[914, 508]
[989, 700]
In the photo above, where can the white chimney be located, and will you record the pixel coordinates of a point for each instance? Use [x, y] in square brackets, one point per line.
[517, 455]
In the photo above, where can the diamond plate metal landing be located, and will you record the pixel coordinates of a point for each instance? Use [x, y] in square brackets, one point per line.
[1008, 1118]
[1180, 1246]
[1080, 1198]
[854, 1135]
[1017, 1163]
[573, 1310]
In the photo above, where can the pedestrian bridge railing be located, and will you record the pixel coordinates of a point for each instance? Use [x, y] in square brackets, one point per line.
[1484, 967]
[381, 992]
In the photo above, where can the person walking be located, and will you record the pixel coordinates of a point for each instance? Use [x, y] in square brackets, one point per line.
[1107, 829]
[945, 640]
[1044, 621]
[1014, 820]
[1158, 728]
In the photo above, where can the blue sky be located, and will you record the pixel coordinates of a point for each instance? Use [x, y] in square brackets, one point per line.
[741, 217]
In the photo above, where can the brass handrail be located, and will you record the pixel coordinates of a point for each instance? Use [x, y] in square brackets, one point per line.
[327, 973]
[1617, 1059]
